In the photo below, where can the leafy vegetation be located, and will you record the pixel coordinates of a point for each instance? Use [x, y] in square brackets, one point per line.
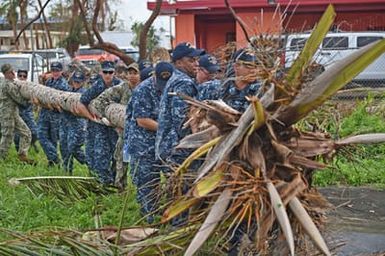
[20, 210]
[358, 165]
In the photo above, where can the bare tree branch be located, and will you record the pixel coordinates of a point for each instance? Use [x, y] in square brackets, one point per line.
[46, 26]
[32, 21]
[239, 20]
[95, 21]
[146, 28]
[108, 47]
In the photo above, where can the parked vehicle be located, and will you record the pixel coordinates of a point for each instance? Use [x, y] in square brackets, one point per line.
[134, 54]
[51, 55]
[336, 46]
[90, 57]
[31, 62]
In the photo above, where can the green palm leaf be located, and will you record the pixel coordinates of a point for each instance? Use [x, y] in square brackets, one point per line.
[329, 82]
[64, 188]
[311, 46]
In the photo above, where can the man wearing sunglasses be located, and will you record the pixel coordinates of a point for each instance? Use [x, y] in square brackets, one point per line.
[105, 137]
[119, 94]
[173, 109]
[10, 119]
[207, 78]
[26, 113]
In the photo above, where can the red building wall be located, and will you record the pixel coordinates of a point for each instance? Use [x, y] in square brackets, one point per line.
[185, 28]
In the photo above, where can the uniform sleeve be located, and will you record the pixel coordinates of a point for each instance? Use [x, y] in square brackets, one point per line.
[106, 98]
[13, 90]
[63, 85]
[141, 103]
[91, 94]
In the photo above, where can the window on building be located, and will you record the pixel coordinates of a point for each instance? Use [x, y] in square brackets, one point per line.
[341, 42]
[365, 40]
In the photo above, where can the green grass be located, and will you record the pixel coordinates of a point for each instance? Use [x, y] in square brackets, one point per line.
[361, 165]
[20, 210]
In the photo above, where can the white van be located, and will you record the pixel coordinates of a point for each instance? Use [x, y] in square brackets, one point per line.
[33, 63]
[336, 46]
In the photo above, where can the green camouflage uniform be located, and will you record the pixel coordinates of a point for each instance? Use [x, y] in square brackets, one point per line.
[117, 94]
[10, 119]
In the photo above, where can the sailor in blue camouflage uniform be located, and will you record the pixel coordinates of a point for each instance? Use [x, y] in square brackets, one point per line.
[26, 113]
[245, 84]
[105, 137]
[118, 94]
[141, 129]
[234, 94]
[209, 86]
[49, 120]
[76, 127]
[173, 109]
[90, 130]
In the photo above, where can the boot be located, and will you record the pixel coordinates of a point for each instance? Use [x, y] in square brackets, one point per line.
[24, 158]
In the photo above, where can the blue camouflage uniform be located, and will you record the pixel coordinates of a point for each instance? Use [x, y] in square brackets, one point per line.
[76, 131]
[104, 137]
[49, 124]
[26, 113]
[139, 143]
[172, 115]
[76, 128]
[90, 132]
[236, 98]
[210, 90]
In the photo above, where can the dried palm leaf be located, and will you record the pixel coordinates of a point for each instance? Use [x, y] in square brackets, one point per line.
[280, 212]
[309, 226]
[213, 218]
[362, 139]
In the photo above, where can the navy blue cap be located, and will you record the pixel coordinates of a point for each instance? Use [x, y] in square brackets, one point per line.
[185, 50]
[56, 66]
[209, 63]
[146, 73]
[248, 56]
[22, 71]
[78, 76]
[108, 65]
[144, 64]
[163, 72]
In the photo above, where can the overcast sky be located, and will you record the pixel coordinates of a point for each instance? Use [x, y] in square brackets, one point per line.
[136, 10]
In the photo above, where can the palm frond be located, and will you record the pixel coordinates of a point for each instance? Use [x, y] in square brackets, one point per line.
[65, 188]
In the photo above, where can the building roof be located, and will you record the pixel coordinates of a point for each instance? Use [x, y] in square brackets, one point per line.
[215, 5]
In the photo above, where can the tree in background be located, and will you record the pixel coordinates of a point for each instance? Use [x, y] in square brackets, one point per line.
[153, 39]
[8, 9]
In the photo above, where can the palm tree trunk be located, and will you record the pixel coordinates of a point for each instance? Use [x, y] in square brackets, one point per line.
[67, 101]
